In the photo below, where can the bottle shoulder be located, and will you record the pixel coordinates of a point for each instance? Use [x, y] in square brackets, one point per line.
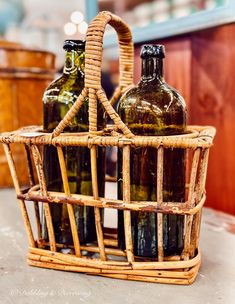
[151, 95]
[64, 89]
[153, 110]
[58, 81]
[59, 97]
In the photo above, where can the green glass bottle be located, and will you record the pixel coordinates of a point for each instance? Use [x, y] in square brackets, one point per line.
[153, 108]
[57, 100]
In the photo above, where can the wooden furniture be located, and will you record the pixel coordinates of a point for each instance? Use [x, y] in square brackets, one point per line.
[24, 75]
[112, 261]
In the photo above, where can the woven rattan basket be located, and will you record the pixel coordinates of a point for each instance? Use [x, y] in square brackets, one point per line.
[109, 260]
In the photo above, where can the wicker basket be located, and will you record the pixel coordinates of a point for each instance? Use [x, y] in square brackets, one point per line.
[109, 260]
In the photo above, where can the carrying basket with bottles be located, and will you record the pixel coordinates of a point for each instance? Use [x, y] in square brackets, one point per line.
[104, 257]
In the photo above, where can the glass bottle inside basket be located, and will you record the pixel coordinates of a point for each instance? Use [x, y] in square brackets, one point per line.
[57, 100]
[153, 108]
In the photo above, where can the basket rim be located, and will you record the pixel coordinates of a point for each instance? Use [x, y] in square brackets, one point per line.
[198, 136]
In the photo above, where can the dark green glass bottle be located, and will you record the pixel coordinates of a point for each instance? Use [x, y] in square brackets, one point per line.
[153, 108]
[58, 99]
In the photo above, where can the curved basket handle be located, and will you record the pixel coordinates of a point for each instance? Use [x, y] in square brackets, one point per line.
[93, 60]
[94, 46]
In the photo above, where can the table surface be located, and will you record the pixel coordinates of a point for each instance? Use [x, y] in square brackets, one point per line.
[20, 283]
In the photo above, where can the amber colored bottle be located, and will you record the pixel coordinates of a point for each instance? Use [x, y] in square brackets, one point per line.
[58, 99]
[153, 108]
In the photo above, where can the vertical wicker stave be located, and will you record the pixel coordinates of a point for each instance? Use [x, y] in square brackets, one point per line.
[23, 209]
[33, 183]
[73, 225]
[160, 159]
[126, 199]
[98, 222]
[93, 155]
[43, 189]
[191, 203]
[200, 188]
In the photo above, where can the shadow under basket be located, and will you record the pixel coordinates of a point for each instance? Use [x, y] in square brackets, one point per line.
[103, 257]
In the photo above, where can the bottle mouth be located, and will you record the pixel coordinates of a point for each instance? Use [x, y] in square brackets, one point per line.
[152, 50]
[70, 45]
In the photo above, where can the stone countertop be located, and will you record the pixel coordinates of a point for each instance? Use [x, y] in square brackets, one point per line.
[20, 283]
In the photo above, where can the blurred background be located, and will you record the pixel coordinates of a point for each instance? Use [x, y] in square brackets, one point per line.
[45, 24]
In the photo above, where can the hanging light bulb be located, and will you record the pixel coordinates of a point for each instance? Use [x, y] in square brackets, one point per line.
[77, 17]
[82, 27]
[70, 28]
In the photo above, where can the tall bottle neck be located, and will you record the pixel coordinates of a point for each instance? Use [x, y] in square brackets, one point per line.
[74, 62]
[152, 69]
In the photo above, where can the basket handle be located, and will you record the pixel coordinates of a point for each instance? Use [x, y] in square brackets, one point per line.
[93, 60]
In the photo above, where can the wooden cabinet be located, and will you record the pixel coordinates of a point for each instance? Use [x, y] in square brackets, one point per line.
[24, 75]
[201, 66]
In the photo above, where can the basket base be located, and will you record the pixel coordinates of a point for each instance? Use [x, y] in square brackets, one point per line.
[117, 270]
